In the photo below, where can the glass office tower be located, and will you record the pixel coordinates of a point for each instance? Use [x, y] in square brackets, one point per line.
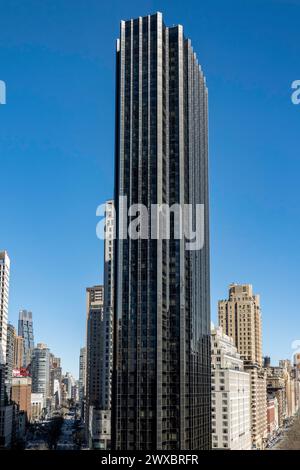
[25, 329]
[161, 376]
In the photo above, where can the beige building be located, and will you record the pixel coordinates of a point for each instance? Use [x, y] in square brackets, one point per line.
[37, 404]
[4, 292]
[231, 424]
[259, 422]
[290, 380]
[18, 352]
[95, 333]
[276, 389]
[5, 411]
[21, 394]
[283, 383]
[240, 318]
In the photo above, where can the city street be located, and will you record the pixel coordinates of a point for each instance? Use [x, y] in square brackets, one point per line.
[290, 437]
[57, 433]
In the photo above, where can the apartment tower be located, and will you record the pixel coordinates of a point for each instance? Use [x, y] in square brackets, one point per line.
[82, 369]
[18, 352]
[25, 329]
[94, 303]
[4, 293]
[9, 366]
[230, 384]
[21, 394]
[161, 379]
[6, 410]
[40, 371]
[97, 419]
[240, 318]
[107, 352]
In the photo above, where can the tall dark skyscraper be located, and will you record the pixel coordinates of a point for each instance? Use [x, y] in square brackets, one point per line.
[25, 329]
[161, 378]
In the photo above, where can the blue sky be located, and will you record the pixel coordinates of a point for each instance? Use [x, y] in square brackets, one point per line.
[57, 146]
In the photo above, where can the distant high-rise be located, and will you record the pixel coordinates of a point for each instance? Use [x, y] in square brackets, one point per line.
[107, 347]
[10, 346]
[231, 418]
[267, 362]
[55, 377]
[240, 318]
[161, 378]
[25, 329]
[94, 339]
[4, 293]
[21, 394]
[40, 370]
[82, 371]
[18, 352]
[69, 382]
[6, 410]
[97, 425]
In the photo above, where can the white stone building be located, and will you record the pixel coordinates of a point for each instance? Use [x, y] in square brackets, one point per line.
[231, 425]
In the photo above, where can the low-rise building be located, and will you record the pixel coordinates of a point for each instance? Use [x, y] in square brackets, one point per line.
[37, 405]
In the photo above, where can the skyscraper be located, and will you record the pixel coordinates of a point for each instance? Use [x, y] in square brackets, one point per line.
[99, 346]
[40, 370]
[82, 369]
[240, 318]
[69, 382]
[4, 293]
[21, 394]
[161, 378]
[107, 349]
[97, 419]
[18, 352]
[55, 379]
[10, 346]
[25, 329]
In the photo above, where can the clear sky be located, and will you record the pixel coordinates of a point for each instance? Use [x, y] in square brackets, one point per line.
[57, 146]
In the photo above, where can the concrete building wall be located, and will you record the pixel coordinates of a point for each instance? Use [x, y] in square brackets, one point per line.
[6, 423]
[231, 426]
[4, 296]
[25, 329]
[21, 394]
[37, 405]
[240, 318]
[40, 370]
[18, 352]
[259, 423]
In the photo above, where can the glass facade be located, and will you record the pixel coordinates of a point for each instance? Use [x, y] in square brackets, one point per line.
[40, 370]
[95, 342]
[161, 376]
[25, 329]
